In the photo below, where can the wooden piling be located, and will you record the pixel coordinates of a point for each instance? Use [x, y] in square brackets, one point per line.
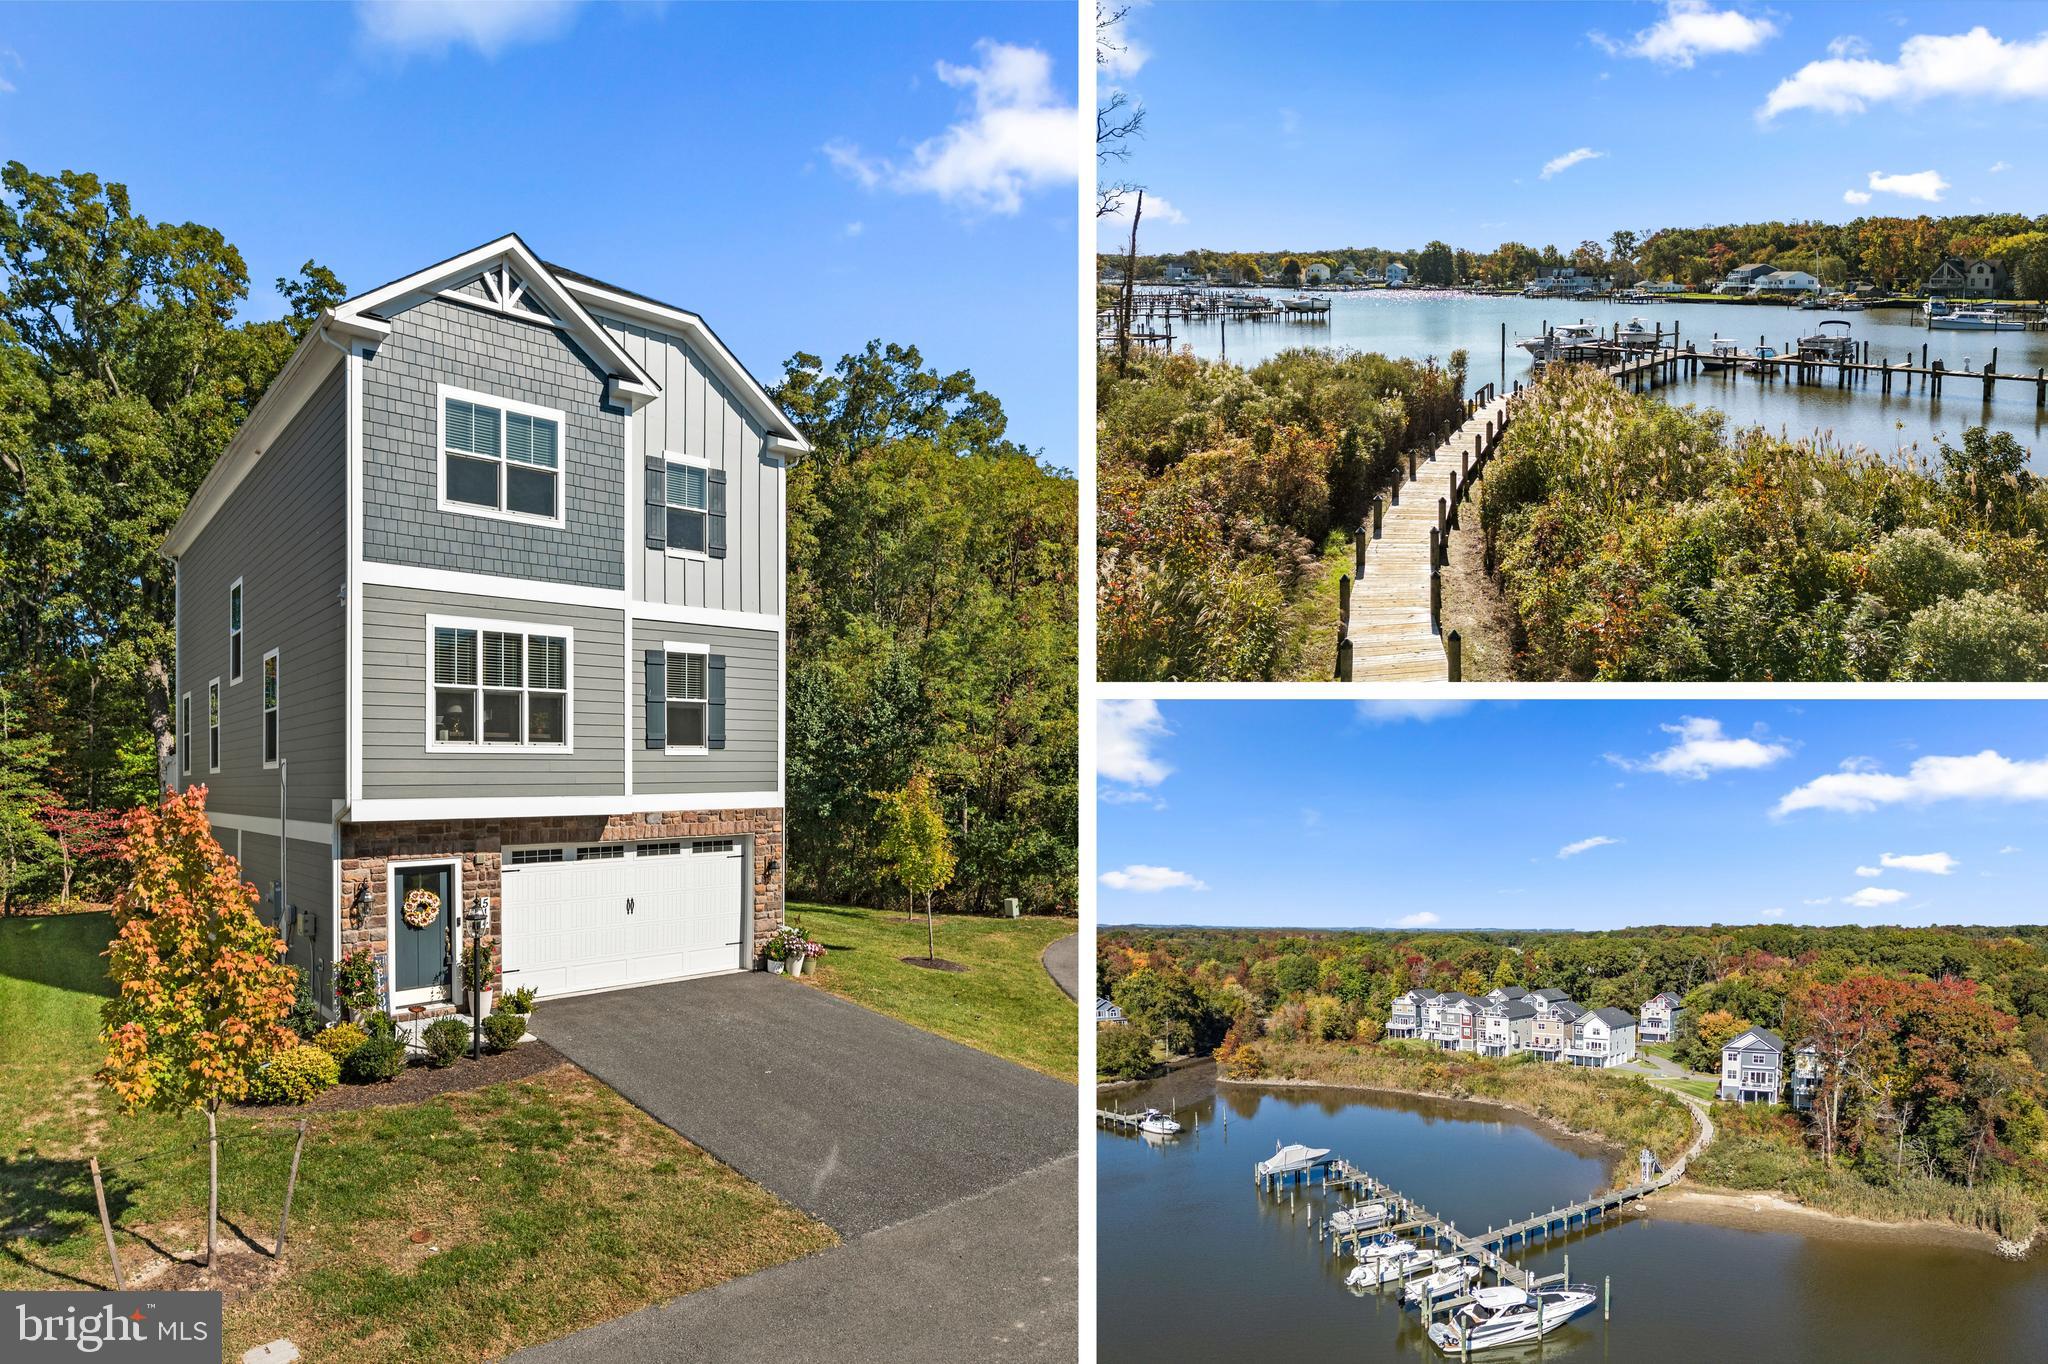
[1436, 602]
[99, 1192]
[1454, 656]
[1379, 516]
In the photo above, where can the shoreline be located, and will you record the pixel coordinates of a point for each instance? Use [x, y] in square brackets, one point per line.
[1751, 1210]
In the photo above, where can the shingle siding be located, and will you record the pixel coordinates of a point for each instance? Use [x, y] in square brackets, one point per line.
[441, 342]
[283, 532]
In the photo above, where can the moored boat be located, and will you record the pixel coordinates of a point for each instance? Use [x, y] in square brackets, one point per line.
[1509, 1316]
[1363, 1217]
[1157, 1123]
[1828, 345]
[1560, 339]
[1285, 1160]
[1975, 320]
[1722, 353]
[1449, 1276]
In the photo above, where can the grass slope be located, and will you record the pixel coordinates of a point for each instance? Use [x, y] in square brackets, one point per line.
[1003, 1003]
[548, 1204]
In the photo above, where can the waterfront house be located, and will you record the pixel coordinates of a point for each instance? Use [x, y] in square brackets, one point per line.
[1785, 282]
[1349, 275]
[1544, 999]
[1805, 1074]
[1550, 1031]
[1405, 1018]
[1963, 277]
[1457, 1022]
[479, 622]
[1662, 286]
[1753, 1067]
[1106, 1012]
[1178, 274]
[1604, 1037]
[1741, 278]
[1318, 273]
[1506, 1026]
[1397, 274]
[1660, 1017]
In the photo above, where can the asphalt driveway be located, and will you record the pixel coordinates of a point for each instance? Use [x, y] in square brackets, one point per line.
[1062, 958]
[861, 1121]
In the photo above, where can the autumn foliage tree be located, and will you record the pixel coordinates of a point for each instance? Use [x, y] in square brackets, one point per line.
[915, 842]
[201, 991]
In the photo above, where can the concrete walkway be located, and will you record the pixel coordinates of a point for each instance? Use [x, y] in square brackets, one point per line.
[1062, 960]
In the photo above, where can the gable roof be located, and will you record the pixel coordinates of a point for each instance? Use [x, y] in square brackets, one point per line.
[1565, 1009]
[1663, 997]
[1754, 1039]
[1552, 995]
[1513, 1008]
[1614, 1018]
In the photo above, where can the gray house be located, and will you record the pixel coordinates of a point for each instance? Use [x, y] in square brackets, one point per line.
[1660, 1016]
[1506, 1026]
[1753, 1067]
[482, 612]
[1602, 1038]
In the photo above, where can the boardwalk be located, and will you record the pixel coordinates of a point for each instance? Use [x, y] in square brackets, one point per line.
[1393, 635]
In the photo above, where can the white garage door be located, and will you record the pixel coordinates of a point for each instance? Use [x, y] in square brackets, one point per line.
[577, 920]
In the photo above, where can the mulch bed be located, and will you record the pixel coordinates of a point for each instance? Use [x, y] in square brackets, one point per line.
[421, 1081]
[932, 963]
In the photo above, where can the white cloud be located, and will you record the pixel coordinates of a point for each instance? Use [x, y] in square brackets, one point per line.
[1823, 900]
[854, 229]
[1848, 45]
[2007, 850]
[1925, 185]
[1934, 863]
[431, 27]
[1419, 919]
[1929, 65]
[1689, 30]
[1571, 158]
[1703, 749]
[1867, 872]
[1140, 879]
[1770, 914]
[1872, 897]
[2000, 167]
[1157, 209]
[1020, 135]
[1125, 732]
[1858, 788]
[1119, 56]
[1855, 196]
[1586, 845]
[1395, 712]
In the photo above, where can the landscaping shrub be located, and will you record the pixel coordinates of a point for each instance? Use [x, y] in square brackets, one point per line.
[1123, 1053]
[304, 1016]
[376, 1060]
[1979, 637]
[294, 1075]
[503, 1029]
[341, 1039]
[519, 1001]
[445, 1040]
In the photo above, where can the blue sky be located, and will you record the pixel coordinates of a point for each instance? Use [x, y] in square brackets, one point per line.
[1571, 814]
[1309, 126]
[805, 176]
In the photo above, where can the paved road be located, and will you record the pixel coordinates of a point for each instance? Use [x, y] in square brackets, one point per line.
[859, 1120]
[992, 1277]
[1062, 960]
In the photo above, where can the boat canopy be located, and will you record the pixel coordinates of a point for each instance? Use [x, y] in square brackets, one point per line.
[1500, 1298]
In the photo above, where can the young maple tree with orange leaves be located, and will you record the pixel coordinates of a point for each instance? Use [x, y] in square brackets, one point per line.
[201, 990]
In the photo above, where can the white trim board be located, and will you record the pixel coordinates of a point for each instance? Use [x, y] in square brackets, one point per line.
[528, 807]
[297, 830]
[537, 591]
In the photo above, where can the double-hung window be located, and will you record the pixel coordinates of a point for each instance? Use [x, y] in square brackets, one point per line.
[500, 457]
[688, 492]
[213, 725]
[685, 505]
[688, 700]
[270, 709]
[499, 686]
[185, 734]
[235, 632]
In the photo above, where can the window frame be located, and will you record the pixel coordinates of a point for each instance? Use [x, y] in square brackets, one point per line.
[669, 457]
[442, 394]
[675, 750]
[272, 740]
[185, 735]
[238, 612]
[527, 631]
[213, 726]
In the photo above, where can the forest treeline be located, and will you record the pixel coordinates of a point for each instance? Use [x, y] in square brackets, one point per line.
[932, 563]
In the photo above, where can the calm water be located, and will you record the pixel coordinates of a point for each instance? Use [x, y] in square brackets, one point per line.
[1194, 1264]
[1419, 324]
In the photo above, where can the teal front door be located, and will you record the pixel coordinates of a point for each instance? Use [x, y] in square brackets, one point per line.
[423, 958]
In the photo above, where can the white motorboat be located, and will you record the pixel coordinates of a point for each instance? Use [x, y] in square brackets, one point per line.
[1449, 1277]
[1386, 1259]
[1934, 307]
[1722, 353]
[1363, 1217]
[1509, 1316]
[1157, 1124]
[1974, 320]
[1560, 339]
[1636, 332]
[1285, 1160]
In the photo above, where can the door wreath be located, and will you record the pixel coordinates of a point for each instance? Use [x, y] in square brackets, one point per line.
[422, 908]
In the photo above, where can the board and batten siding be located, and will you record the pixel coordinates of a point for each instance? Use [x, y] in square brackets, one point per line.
[283, 532]
[751, 759]
[442, 342]
[696, 415]
[397, 695]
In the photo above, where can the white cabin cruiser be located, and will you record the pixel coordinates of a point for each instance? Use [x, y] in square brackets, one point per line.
[1560, 339]
[1636, 332]
[1386, 1259]
[1363, 1217]
[1285, 1160]
[1722, 353]
[1157, 1123]
[1974, 320]
[1450, 1275]
[1509, 1316]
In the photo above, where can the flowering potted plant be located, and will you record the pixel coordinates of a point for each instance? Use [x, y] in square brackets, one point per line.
[777, 953]
[795, 947]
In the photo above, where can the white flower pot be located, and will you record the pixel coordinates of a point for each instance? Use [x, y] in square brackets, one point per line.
[775, 967]
[796, 966]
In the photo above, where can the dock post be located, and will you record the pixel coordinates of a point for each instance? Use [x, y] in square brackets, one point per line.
[1443, 533]
[1379, 513]
[1436, 602]
[1457, 495]
[1607, 1298]
[1567, 1268]
[1454, 654]
[1435, 535]
[1411, 466]
[1358, 552]
[1344, 603]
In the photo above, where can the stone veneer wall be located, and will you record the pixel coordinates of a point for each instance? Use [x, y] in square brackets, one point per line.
[368, 849]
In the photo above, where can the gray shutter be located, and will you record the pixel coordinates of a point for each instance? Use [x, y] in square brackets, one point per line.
[657, 503]
[714, 728]
[715, 540]
[657, 699]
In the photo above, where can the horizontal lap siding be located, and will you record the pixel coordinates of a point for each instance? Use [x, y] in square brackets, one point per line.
[439, 342]
[283, 532]
[396, 691]
[751, 759]
[697, 415]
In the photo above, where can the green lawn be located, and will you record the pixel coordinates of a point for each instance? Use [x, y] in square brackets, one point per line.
[1002, 1003]
[1699, 1089]
[547, 1205]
